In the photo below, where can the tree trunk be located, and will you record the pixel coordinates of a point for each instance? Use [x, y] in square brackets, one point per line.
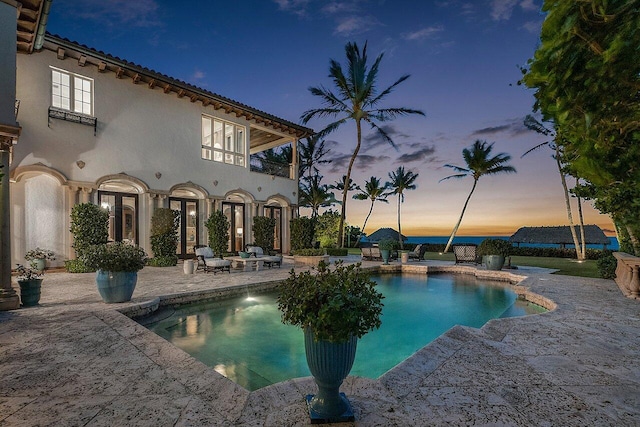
[399, 229]
[568, 204]
[634, 240]
[343, 213]
[583, 247]
[365, 222]
[464, 208]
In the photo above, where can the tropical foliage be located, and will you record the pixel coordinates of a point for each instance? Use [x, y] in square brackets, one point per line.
[264, 232]
[479, 163]
[586, 76]
[302, 233]
[117, 256]
[355, 99]
[374, 191]
[401, 181]
[327, 229]
[218, 227]
[164, 237]
[89, 226]
[315, 195]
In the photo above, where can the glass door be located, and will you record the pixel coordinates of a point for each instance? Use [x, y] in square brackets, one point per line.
[275, 212]
[123, 215]
[188, 231]
[235, 215]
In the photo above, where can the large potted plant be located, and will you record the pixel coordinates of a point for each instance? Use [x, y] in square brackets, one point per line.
[30, 281]
[38, 257]
[494, 252]
[386, 246]
[117, 265]
[334, 308]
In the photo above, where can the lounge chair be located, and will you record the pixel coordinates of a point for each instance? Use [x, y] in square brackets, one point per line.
[375, 254]
[269, 260]
[366, 253]
[465, 253]
[418, 252]
[209, 263]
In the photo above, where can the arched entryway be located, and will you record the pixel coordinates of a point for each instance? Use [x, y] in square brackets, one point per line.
[120, 195]
[235, 209]
[186, 199]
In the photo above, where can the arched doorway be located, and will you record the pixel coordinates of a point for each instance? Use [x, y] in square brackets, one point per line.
[186, 202]
[120, 196]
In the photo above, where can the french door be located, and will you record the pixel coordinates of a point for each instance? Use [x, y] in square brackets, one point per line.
[276, 213]
[188, 230]
[123, 215]
[235, 214]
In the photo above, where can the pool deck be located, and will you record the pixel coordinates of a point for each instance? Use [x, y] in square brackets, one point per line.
[75, 361]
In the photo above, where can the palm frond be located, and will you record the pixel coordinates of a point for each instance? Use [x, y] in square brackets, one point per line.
[536, 147]
[462, 175]
[388, 90]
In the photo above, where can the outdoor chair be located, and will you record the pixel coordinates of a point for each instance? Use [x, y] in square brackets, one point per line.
[209, 263]
[375, 254]
[418, 252]
[465, 253]
[269, 260]
[366, 253]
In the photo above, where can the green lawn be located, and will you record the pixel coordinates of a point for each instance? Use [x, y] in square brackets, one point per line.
[566, 266]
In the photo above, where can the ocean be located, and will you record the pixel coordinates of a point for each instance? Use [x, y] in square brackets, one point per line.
[478, 239]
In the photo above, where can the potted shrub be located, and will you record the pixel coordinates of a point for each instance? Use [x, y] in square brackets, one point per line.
[164, 237]
[30, 281]
[386, 246]
[117, 265]
[38, 258]
[494, 252]
[334, 308]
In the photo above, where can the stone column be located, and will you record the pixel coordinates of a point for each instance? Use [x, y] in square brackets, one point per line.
[8, 297]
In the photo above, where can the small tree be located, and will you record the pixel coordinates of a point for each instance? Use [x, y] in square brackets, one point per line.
[302, 232]
[164, 237]
[263, 232]
[328, 229]
[218, 228]
[89, 226]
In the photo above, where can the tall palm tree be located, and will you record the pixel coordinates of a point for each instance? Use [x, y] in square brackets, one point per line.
[374, 191]
[311, 153]
[357, 99]
[339, 184]
[531, 123]
[479, 163]
[314, 195]
[401, 181]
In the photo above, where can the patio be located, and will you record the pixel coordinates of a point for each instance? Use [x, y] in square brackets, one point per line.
[77, 361]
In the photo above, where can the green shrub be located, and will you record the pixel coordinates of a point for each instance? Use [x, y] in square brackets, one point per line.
[218, 226]
[388, 244]
[593, 254]
[494, 247]
[337, 251]
[165, 261]
[118, 256]
[327, 228]
[308, 252]
[263, 232]
[89, 226]
[302, 232]
[164, 233]
[77, 266]
[607, 264]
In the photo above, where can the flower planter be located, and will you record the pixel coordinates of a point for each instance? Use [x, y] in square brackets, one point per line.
[494, 262]
[116, 286]
[30, 292]
[385, 253]
[310, 260]
[39, 264]
[329, 363]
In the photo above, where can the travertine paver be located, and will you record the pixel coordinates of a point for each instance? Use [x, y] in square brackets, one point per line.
[77, 361]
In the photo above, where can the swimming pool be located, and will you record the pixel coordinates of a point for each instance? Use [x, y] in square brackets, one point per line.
[244, 339]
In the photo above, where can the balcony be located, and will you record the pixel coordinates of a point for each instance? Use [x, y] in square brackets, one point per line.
[270, 168]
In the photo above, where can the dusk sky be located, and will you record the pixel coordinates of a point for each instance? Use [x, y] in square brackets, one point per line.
[463, 57]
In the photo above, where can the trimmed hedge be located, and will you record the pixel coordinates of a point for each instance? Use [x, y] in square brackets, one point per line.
[308, 252]
[163, 261]
[337, 251]
[607, 264]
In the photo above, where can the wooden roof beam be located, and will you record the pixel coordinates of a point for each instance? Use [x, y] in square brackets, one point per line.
[119, 72]
[167, 88]
[102, 66]
[136, 78]
[181, 93]
[61, 53]
[152, 83]
[82, 60]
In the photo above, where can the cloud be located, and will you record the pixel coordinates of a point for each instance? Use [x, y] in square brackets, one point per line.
[374, 139]
[424, 33]
[297, 7]
[350, 25]
[422, 155]
[528, 5]
[532, 26]
[363, 163]
[140, 13]
[512, 127]
[339, 7]
[502, 9]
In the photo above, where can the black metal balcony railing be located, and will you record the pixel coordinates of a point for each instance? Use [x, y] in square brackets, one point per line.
[56, 113]
[271, 168]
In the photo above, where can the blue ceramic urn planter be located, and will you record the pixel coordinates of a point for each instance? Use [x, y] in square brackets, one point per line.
[116, 286]
[329, 363]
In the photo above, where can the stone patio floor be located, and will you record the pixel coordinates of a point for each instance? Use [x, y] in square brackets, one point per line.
[75, 361]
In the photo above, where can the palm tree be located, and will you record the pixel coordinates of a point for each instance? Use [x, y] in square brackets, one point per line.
[374, 191]
[339, 184]
[531, 123]
[479, 163]
[315, 195]
[356, 99]
[401, 181]
[311, 154]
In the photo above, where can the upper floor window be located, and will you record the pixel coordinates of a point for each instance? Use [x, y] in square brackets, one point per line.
[223, 141]
[71, 92]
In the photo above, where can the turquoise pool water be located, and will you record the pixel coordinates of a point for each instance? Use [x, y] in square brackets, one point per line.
[244, 339]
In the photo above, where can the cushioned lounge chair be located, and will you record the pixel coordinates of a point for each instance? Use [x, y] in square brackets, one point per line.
[465, 253]
[269, 260]
[418, 252]
[209, 263]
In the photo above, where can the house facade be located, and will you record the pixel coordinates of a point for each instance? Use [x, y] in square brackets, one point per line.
[96, 128]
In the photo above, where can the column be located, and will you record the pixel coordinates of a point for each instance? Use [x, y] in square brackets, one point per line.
[8, 297]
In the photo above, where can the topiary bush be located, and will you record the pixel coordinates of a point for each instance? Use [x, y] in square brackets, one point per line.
[302, 231]
[164, 237]
[607, 264]
[263, 232]
[337, 251]
[89, 226]
[494, 247]
[308, 252]
[117, 256]
[77, 266]
[218, 226]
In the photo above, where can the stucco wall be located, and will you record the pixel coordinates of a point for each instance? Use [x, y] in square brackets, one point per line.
[8, 21]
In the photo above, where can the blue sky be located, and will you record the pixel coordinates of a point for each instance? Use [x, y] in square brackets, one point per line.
[463, 57]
